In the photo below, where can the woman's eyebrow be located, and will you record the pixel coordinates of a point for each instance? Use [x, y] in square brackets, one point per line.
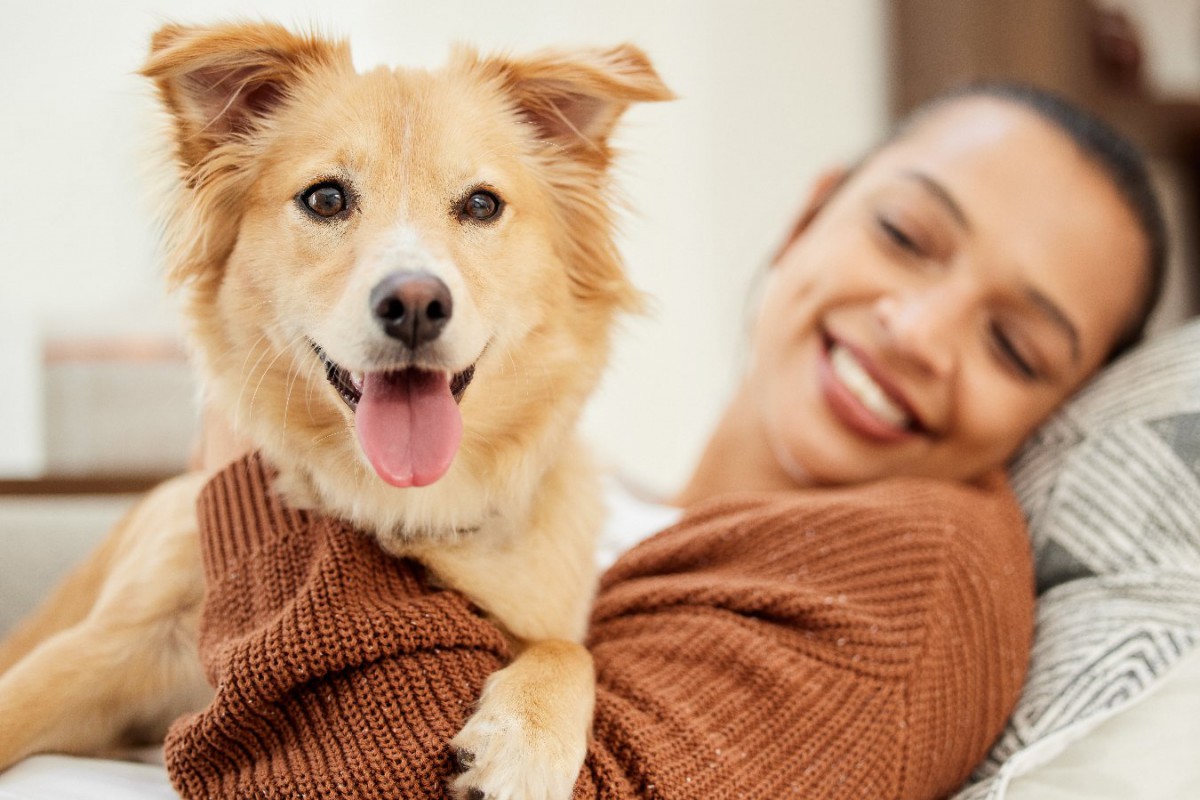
[943, 195]
[1057, 317]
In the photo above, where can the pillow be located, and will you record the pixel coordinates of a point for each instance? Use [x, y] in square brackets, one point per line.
[1146, 752]
[1111, 488]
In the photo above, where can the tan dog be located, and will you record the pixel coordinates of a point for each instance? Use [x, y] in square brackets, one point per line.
[401, 286]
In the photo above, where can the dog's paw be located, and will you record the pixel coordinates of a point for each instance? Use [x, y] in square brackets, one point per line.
[502, 753]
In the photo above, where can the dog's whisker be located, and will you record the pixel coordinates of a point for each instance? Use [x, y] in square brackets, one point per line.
[291, 381]
[249, 352]
[310, 383]
[327, 436]
[244, 378]
[287, 394]
[263, 376]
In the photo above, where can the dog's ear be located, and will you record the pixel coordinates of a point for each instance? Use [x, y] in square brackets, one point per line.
[222, 85]
[575, 98]
[572, 100]
[222, 81]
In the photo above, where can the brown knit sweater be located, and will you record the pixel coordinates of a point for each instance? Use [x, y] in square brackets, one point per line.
[864, 642]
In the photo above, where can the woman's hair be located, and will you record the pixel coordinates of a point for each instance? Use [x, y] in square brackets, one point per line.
[1115, 155]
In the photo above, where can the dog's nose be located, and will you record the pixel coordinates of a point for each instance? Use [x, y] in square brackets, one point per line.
[412, 306]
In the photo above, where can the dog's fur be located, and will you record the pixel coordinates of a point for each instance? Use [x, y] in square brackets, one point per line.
[258, 115]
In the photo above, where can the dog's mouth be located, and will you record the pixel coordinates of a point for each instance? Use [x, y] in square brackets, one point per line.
[349, 385]
[408, 421]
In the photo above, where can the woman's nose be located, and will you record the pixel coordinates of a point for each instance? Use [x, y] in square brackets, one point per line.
[925, 327]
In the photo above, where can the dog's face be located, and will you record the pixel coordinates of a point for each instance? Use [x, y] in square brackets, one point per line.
[397, 232]
[400, 278]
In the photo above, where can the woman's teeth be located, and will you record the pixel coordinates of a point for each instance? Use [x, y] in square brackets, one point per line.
[860, 384]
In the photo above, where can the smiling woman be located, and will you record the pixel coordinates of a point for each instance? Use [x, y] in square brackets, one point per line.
[937, 303]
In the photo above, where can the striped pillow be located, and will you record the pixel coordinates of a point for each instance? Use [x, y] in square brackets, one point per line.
[1111, 487]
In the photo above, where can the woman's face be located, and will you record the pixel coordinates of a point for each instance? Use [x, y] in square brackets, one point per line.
[944, 300]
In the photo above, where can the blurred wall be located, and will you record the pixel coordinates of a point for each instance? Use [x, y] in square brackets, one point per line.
[770, 92]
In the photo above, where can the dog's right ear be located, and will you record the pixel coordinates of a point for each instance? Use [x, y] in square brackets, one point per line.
[224, 81]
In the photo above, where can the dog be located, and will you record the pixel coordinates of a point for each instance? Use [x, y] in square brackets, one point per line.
[401, 287]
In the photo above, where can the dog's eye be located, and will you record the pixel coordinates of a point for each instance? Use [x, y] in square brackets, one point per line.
[324, 199]
[482, 206]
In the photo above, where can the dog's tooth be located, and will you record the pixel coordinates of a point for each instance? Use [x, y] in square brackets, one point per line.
[356, 378]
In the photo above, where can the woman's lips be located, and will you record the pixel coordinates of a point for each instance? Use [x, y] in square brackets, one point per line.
[857, 400]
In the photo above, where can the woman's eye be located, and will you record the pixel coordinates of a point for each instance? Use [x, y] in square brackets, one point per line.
[482, 206]
[1011, 354]
[897, 235]
[324, 199]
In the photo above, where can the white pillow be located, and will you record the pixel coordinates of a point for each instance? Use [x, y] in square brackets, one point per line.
[1145, 752]
[1111, 486]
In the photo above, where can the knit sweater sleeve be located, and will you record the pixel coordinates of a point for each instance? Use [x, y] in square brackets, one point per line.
[844, 643]
[855, 643]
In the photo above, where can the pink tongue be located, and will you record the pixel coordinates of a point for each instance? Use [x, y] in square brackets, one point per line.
[408, 425]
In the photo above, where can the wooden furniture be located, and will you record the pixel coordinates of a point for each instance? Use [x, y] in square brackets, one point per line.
[1070, 46]
[1081, 49]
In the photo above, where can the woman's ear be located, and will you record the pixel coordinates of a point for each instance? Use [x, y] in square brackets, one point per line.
[823, 188]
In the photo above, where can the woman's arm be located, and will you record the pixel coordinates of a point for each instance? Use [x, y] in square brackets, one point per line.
[837, 643]
[863, 642]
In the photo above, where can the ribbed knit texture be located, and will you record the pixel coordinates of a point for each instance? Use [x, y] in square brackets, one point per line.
[865, 642]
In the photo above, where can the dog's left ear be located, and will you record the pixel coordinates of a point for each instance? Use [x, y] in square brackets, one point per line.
[575, 98]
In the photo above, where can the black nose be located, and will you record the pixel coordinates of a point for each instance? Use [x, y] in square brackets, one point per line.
[412, 306]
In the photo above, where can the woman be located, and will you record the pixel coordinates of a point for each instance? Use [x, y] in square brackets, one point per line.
[959, 266]
[845, 607]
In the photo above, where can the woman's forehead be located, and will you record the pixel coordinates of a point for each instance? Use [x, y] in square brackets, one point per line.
[984, 133]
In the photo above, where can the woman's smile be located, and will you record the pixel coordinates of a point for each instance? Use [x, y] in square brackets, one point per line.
[862, 399]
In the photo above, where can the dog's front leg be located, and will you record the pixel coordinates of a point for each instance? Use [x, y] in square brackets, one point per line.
[528, 737]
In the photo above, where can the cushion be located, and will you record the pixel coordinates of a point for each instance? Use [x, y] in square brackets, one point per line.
[1146, 751]
[1111, 486]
